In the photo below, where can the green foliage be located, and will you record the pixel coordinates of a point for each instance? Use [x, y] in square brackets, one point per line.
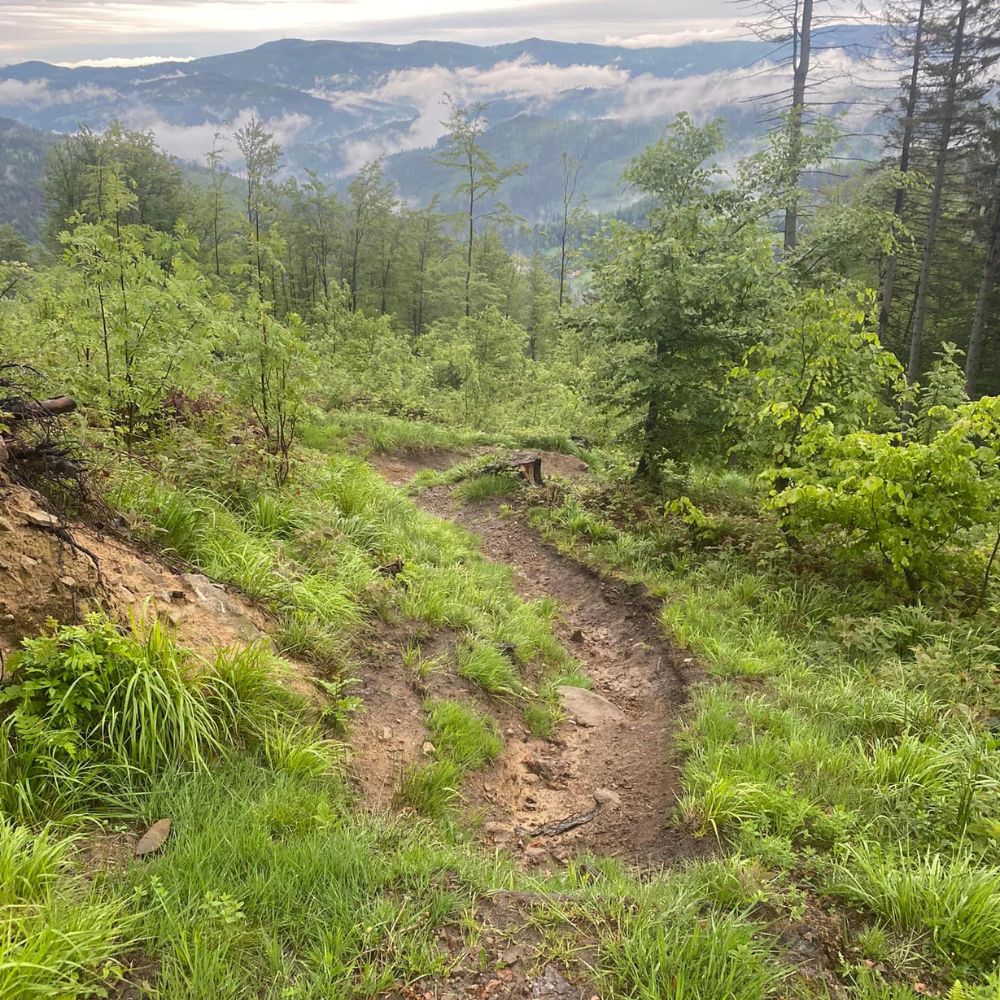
[668, 946]
[92, 707]
[94, 712]
[430, 789]
[821, 367]
[486, 486]
[489, 668]
[300, 892]
[955, 901]
[910, 503]
[675, 305]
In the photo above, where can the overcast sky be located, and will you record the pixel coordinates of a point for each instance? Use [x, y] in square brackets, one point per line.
[67, 31]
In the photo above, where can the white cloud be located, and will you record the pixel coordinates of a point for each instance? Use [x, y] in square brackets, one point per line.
[192, 142]
[110, 62]
[40, 93]
[682, 36]
[422, 89]
[647, 97]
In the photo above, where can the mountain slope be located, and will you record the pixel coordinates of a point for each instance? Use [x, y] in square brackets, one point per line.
[336, 105]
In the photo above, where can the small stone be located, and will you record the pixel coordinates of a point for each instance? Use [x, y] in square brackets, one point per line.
[5, 525]
[428, 747]
[67, 581]
[588, 708]
[39, 519]
[386, 734]
[28, 563]
[605, 797]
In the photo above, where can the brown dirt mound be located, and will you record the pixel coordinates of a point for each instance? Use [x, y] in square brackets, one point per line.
[52, 569]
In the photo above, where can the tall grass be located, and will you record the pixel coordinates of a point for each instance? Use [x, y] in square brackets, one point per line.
[58, 938]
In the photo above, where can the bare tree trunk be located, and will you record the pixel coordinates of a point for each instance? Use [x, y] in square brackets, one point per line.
[937, 192]
[991, 267]
[802, 36]
[472, 236]
[889, 278]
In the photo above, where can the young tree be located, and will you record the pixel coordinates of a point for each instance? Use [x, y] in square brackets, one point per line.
[913, 31]
[261, 158]
[463, 151]
[370, 199]
[569, 223]
[988, 280]
[676, 305]
[946, 127]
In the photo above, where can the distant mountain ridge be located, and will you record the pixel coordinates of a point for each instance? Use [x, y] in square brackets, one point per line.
[334, 105]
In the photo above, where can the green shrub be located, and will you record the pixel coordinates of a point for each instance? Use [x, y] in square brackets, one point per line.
[92, 705]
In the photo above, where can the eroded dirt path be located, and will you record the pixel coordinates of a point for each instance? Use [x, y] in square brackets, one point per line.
[618, 741]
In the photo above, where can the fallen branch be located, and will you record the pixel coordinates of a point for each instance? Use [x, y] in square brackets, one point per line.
[561, 826]
[37, 409]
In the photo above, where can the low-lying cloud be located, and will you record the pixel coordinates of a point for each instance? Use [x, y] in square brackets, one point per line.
[41, 94]
[123, 62]
[192, 143]
[534, 84]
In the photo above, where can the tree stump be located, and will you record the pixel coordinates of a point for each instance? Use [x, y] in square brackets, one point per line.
[528, 465]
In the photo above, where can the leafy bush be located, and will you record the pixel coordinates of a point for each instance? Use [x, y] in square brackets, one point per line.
[903, 500]
[92, 706]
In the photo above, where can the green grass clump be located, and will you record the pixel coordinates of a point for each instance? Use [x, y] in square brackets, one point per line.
[489, 668]
[430, 789]
[94, 708]
[463, 735]
[297, 892]
[58, 939]
[487, 486]
[681, 951]
[954, 901]
[95, 711]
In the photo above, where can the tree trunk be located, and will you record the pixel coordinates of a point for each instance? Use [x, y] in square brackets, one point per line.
[991, 267]
[937, 192]
[468, 252]
[889, 278]
[799, 78]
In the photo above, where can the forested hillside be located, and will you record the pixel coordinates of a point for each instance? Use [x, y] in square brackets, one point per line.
[337, 105]
[388, 613]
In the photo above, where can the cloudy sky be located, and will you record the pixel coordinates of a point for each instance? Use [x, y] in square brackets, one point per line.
[91, 30]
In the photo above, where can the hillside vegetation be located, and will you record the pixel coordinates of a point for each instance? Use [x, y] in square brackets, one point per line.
[711, 712]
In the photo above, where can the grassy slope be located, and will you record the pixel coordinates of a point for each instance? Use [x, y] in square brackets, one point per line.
[272, 884]
[845, 740]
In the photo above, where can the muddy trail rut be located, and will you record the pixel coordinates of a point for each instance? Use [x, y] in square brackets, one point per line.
[616, 741]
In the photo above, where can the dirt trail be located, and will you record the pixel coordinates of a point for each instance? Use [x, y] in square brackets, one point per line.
[641, 682]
